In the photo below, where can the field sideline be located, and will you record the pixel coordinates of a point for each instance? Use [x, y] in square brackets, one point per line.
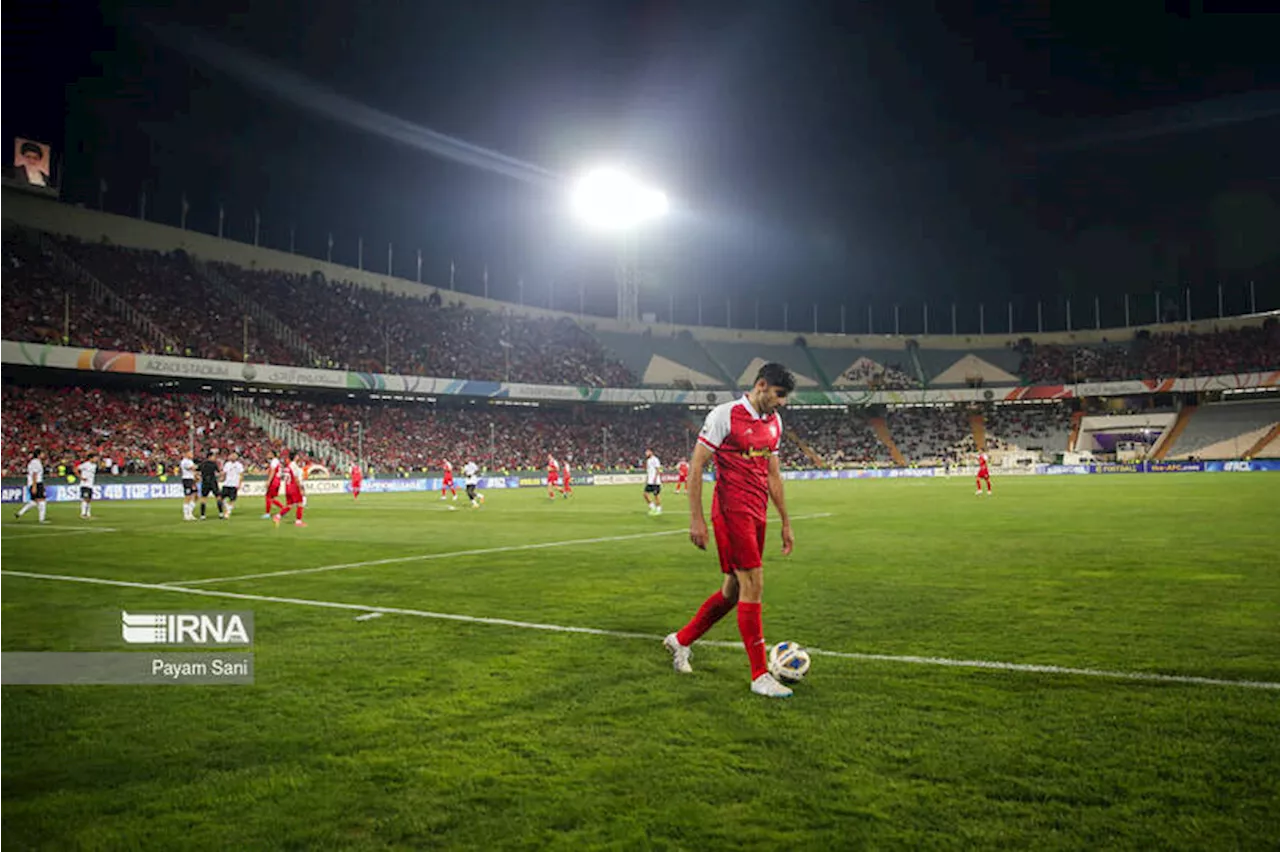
[513, 694]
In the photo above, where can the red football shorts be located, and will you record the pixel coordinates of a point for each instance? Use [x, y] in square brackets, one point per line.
[553, 480]
[984, 474]
[273, 488]
[292, 496]
[683, 478]
[739, 540]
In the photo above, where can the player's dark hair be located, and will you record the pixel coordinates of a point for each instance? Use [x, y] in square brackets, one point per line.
[32, 148]
[777, 376]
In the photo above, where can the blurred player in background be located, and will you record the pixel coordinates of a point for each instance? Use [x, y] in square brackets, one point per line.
[743, 437]
[984, 474]
[682, 480]
[187, 469]
[35, 487]
[472, 473]
[87, 470]
[566, 485]
[291, 479]
[357, 479]
[448, 480]
[273, 487]
[553, 476]
[652, 482]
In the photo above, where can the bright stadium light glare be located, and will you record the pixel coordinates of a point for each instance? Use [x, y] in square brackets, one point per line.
[614, 201]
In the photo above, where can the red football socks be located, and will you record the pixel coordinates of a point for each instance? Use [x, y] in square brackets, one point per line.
[752, 637]
[712, 610]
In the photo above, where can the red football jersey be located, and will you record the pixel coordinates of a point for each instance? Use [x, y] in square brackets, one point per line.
[743, 443]
[683, 468]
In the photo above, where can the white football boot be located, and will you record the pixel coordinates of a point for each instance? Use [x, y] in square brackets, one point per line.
[679, 654]
[766, 685]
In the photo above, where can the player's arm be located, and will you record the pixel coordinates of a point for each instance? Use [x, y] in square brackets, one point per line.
[697, 520]
[779, 500]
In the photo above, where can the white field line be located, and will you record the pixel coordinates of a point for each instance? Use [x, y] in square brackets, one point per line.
[1146, 677]
[424, 557]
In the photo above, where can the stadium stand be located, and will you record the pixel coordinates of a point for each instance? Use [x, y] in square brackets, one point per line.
[664, 360]
[742, 360]
[888, 369]
[43, 305]
[417, 438]
[841, 438]
[931, 435]
[1028, 427]
[959, 368]
[1242, 350]
[1226, 430]
[138, 430]
[169, 291]
[354, 327]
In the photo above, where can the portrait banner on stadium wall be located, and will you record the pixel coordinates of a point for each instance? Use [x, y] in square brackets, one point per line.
[32, 163]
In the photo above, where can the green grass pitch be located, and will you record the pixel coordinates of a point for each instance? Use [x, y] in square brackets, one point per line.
[410, 731]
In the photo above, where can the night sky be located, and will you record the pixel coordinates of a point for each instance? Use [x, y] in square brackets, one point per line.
[831, 152]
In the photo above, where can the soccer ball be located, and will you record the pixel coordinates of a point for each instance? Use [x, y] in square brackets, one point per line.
[788, 662]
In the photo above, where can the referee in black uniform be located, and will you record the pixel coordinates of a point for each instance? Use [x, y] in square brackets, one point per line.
[209, 482]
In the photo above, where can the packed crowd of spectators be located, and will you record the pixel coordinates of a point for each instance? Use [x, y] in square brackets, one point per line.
[934, 435]
[841, 438]
[380, 331]
[42, 305]
[888, 376]
[168, 290]
[404, 438]
[1044, 427]
[1242, 350]
[353, 327]
[135, 432]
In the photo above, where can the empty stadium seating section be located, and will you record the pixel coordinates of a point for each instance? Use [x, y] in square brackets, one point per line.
[1226, 431]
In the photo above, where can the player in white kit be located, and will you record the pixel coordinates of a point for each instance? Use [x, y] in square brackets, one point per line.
[87, 471]
[232, 473]
[472, 474]
[187, 468]
[35, 486]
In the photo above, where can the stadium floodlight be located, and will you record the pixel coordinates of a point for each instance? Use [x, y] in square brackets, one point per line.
[612, 200]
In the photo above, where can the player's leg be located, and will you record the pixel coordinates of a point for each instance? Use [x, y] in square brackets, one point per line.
[29, 504]
[714, 608]
[746, 539]
[657, 499]
[41, 505]
[978, 482]
[988, 478]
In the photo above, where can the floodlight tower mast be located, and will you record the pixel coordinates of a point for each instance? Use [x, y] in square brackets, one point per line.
[628, 274]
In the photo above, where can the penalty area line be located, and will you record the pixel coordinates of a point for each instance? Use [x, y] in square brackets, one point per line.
[1028, 668]
[425, 557]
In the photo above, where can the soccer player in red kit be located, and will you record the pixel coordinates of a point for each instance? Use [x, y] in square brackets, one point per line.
[743, 437]
[984, 474]
[682, 470]
[566, 487]
[448, 480]
[291, 477]
[357, 479]
[273, 486]
[553, 476]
